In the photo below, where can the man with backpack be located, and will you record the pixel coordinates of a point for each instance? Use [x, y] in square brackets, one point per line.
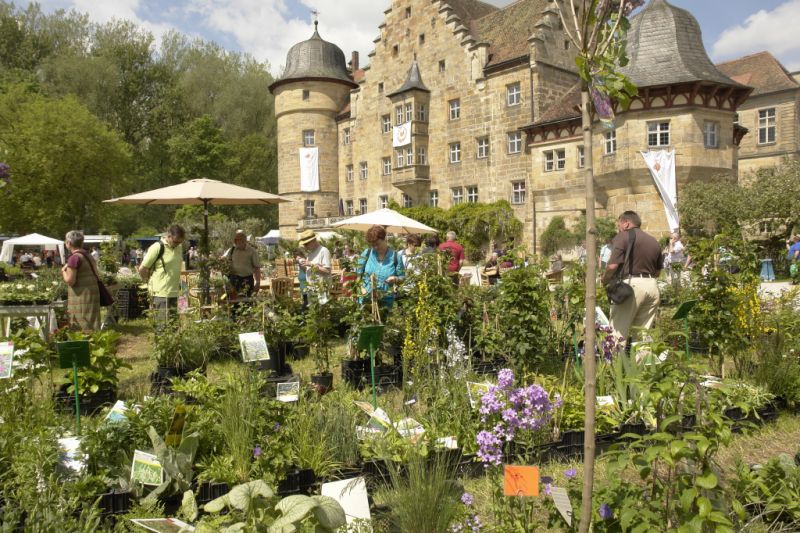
[161, 269]
[245, 272]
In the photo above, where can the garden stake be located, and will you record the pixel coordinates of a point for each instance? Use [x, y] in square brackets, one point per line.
[77, 397]
[72, 354]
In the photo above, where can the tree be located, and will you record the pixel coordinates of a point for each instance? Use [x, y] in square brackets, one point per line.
[597, 30]
[65, 163]
[556, 236]
[714, 206]
[200, 150]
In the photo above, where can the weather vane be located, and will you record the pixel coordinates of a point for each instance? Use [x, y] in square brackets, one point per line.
[315, 12]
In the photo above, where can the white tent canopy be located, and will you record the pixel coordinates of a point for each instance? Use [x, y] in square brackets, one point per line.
[271, 237]
[29, 241]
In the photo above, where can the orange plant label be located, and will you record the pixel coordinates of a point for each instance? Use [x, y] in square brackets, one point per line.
[520, 480]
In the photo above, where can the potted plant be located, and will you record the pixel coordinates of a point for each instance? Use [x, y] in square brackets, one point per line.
[318, 333]
[178, 352]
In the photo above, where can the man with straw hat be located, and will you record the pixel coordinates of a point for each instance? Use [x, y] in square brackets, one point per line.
[317, 264]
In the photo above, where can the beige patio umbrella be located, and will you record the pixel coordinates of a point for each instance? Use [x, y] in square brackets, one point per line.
[203, 192]
[391, 220]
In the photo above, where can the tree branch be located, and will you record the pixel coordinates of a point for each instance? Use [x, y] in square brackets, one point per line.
[574, 39]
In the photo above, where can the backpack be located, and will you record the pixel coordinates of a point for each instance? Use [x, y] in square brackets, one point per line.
[160, 256]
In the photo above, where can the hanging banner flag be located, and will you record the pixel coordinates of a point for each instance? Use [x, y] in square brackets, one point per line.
[662, 167]
[309, 169]
[401, 135]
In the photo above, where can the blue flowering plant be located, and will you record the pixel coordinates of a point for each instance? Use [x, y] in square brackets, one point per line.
[570, 480]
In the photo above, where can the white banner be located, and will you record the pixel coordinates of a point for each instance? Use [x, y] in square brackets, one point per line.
[401, 135]
[662, 167]
[309, 169]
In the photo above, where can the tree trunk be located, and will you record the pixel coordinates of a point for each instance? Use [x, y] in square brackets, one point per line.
[591, 297]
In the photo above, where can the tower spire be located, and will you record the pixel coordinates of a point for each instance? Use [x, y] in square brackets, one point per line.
[315, 12]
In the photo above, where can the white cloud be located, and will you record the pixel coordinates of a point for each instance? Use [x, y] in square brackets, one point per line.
[775, 31]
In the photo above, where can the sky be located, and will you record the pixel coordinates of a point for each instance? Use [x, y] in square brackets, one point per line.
[267, 29]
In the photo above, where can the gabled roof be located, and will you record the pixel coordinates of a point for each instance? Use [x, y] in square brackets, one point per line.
[761, 71]
[565, 108]
[665, 47]
[507, 30]
[413, 81]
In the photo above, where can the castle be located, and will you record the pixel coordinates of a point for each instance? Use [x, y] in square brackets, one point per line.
[465, 102]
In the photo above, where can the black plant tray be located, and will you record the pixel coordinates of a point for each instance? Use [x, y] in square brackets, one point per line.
[208, 490]
[290, 484]
[89, 403]
[115, 502]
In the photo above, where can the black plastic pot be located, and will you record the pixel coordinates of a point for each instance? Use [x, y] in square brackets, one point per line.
[322, 382]
[573, 437]
[387, 377]
[90, 403]
[356, 372]
[290, 484]
[208, 490]
[470, 466]
[307, 478]
[767, 414]
[300, 351]
[115, 502]
[377, 471]
[637, 428]
[734, 413]
[270, 388]
[161, 379]
[485, 367]
[604, 442]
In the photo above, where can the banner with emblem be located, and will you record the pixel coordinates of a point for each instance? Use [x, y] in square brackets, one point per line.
[401, 135]
[662, 167]
[309, 169]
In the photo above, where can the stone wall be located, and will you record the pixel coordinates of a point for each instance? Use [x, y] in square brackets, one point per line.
[752, 155]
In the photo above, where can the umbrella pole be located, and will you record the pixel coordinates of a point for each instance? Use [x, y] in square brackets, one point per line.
[204, 273]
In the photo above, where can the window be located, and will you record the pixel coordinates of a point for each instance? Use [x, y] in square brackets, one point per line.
[472, 194]
[387, 166]
[401, 160]
[308, 137]
[736, 118]
[386, 124]
[766, 126]
[346, 136]
[380, 88]
[421, 39]
[518, 192]
[309, 208]
[458, 195]
[513, 94]
[711, 134]
[483, 148]
[409, 112]
[422, 114]
[395, 50]
[514, 142]
[611, 142]
[433, 199]
[408, 12]
[409, 156]
[364, 170]
[442, 65]
[657, 134]
[362, 205]
[348, 176]
[422, 158]
[407, 201]
[455, 152]
[455, 109]
[306, 94]
[398, 115]
[581, 157]
[566, 44]
[555, 160]
[383, 201]
[348, 208]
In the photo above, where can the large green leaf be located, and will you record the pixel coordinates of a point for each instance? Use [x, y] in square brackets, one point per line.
[329, 512]
[708, 480]
[242, 495]
[293, 509]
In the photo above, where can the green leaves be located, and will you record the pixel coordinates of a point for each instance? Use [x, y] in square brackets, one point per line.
[294, 509]
[708, 480]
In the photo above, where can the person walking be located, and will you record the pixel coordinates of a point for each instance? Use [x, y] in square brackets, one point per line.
[676, 258]
[245, 266]
[640, 269]
[83, 294]
[161, 269]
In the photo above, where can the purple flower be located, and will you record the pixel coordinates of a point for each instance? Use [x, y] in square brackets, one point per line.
[606, 512]
[467, 499]
[547, 480]
[570, 473]
[505, 379]
[276, 427]
[548, 489]
[257, 451]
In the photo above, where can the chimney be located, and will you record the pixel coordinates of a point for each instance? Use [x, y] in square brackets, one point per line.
[354, 62]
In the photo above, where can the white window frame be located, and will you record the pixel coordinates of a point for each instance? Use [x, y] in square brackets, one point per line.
[457, 195]
[610, 143]
[433, 198]
[581, 157]
[422, 114]
[514, 142]
[658, 134]
[455, 109]
[362, 205]
[409, 112]
[308, 209]
[409, 156]
[348, 173]
[348, 208]
[455, 152]
[519, 192]
[422, 157]
[398, 115]
[346, 136]
[482, 149]
[383, 201]
[711, 134]
[513, 94]
[561, 159]
[767, 123]
[308, 137]
[548, 156]
[400, 158]
[472, 194]
[387, 166]
[407, 201]
[386, 123]
[363, 170]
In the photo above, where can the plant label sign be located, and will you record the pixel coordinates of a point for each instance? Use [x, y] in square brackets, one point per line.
[562, 503]
[409, 429]
[163, 525]
[605, 401]
[475, 391]
[146, 469]
[117, 412]
[288, 392]
[378, 418]
[254, 347]
[70, 455]
[6, 359]
[520, 480]
[351, 495]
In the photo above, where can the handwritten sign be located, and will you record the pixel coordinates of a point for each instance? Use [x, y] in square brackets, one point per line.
[520, 480]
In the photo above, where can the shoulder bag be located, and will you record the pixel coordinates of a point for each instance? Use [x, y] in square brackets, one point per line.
[105, 295]
[617, 290]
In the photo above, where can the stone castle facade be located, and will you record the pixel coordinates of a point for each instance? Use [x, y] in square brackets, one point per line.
[490, 99]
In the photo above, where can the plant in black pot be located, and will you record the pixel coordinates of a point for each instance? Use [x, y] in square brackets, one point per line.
[318, 332]
[177, 352]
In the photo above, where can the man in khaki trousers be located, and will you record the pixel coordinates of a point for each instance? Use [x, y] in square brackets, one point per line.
[640, 270]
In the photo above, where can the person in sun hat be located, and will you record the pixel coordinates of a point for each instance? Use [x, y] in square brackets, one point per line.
[245, 275]
[317, 265]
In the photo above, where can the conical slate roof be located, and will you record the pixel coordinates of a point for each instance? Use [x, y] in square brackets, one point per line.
[413, 81]
[665, 47]
[316, 59]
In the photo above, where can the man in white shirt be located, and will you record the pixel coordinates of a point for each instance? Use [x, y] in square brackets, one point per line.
[317, 264]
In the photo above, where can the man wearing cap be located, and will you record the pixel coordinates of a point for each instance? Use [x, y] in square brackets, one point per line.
[317, 263]
[245, 274]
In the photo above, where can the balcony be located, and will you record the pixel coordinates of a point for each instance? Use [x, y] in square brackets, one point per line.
[411, 175]
[318, 223]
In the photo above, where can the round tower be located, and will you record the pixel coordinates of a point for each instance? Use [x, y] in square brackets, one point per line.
[312, 91]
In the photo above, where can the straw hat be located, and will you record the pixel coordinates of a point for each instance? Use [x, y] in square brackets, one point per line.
[307, 236]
